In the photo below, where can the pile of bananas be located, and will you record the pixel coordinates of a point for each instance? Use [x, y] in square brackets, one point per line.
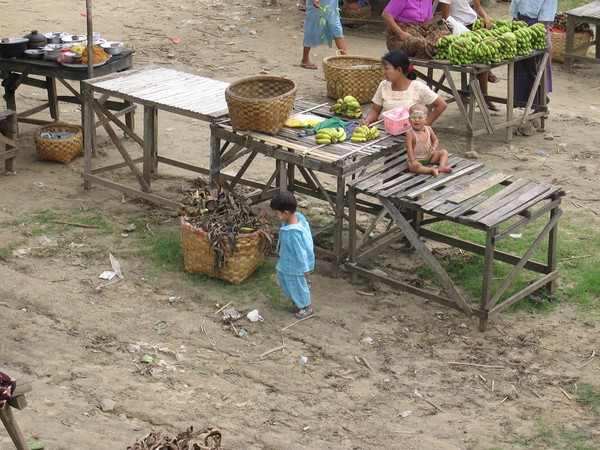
[327, 136]
[364, 134]
[347, 106]
[505, 40]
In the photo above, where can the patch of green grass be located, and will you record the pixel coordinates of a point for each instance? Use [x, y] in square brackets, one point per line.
[165, 249]
[589, 396]
[578, 262]
[566, 5]
[556, 436]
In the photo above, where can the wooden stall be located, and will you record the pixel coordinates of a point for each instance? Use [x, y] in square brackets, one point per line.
[300, 166]
[465, 91]
[590, 14]
[413, 202]
[45, 74]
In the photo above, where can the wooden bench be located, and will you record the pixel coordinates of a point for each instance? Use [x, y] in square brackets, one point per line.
[8, 137]
[414, 201]
[17, 401]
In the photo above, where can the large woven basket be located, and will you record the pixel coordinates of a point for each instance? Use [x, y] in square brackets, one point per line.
[559, 43]
[358, 13]
[260, 103]
[61, 150]
[358, 76]
[199, 256]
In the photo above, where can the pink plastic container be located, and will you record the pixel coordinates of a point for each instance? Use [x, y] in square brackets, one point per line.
[396, 121]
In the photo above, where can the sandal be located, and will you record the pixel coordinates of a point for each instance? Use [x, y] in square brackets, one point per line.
[305, 313]
[493, 78]
[493, 107]
[301, 7]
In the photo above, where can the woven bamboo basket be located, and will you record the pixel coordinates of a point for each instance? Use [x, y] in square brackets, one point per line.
[61, 150]
[358, 76]
[199, 256]
[358, 13]
[260, 103]
[559, 43]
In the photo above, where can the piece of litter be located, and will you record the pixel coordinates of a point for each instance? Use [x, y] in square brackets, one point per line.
[107, 275]
[515, 235]
[115, 265]
[254, 316]
[175, 39]
[405, 413]
[305, 428]
[543, 153]
[230, 314]
[367, 340]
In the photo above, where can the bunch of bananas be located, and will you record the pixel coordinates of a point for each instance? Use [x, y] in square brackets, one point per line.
[364, 134]
[327, 136]
[505, 40]
[538, 36]
[347, 106]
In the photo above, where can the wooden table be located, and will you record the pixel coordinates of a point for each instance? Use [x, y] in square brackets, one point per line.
[8, 137]
[156, 89]
[468, 93]
[590, 14]
[44, 75]
[463, 197]
[301, 166]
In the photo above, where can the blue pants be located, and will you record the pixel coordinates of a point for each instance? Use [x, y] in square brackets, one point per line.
[296, 287]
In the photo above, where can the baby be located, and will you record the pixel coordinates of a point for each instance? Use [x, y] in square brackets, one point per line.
[422, 145]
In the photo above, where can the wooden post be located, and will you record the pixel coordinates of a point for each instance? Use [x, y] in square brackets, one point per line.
[552, 242]
[15, 433]
[510, 99]
[215, 158]
[150, 142]
[87, 119]
[352, 230]
[488, 275]
[570, 41]
[338, 227]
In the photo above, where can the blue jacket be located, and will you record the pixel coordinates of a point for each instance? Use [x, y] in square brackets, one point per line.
[296, 248]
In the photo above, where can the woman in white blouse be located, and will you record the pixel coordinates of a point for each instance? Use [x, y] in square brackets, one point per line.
[400, 89]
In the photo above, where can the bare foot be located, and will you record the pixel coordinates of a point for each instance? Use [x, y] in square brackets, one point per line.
[308, 65]
[445, 169]
[434, 172]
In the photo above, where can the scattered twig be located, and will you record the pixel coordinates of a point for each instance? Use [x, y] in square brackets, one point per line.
[213, 345]
[576, 257]
[297, 321]
[418, 394]
[577, 205]
[110, 283]
[481, 376]
[150, 231]
[368, 294]
[589, 360]
[514, 389]
[493, 385]
[268, 352]
[222, 308]
[566, 395]
[563, 180]
[503, 400]
[406, 431]
[500, 331]
[475, 365]
[234, 329]
[367, 365]
[75, 224]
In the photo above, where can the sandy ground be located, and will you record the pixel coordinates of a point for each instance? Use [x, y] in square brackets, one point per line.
[81, 345]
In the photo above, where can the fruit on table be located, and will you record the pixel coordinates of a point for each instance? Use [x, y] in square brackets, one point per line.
[347, 106]
[364, 134]
[327, 136]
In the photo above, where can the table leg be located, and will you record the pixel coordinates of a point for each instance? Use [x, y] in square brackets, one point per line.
[150, 142]
[215, 158]
[597, 41]
[89, 131]
[338, 227]
[52, 98]
[552, 242]
[15, 433]
[130, 116]
[352, 230]
[488, 275]
[510, 99]
[282, 179]
[471, 112]
[570, 41]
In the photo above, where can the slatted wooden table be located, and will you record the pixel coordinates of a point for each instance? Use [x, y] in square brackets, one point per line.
[463, 197]
[156, 89]
[467, 94]
[300, 166]
[44, 75]
[590, 14]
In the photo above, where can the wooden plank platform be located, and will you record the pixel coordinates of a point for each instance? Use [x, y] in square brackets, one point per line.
[471, 195]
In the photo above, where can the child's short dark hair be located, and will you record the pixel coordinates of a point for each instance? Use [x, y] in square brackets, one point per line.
[284, 201]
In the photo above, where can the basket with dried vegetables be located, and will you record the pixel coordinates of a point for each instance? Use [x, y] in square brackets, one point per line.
[221, 236]
[558, 35]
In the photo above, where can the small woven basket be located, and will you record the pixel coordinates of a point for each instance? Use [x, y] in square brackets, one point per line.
[357, 13]
[260, 103]
[358, 76]
[559, 43]
[61, 150]
[199, 256]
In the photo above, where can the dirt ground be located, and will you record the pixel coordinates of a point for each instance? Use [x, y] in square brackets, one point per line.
[80, 343]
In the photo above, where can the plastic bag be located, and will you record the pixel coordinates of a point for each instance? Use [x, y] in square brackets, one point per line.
[456, 27]
[303, 120]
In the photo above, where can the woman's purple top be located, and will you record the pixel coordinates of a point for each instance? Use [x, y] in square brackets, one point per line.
[410, 11]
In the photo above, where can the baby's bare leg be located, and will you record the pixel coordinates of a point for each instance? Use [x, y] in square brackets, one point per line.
[425, 170]
[441, 157]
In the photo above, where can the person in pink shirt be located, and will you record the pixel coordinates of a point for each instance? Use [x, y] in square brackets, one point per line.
[408, 28]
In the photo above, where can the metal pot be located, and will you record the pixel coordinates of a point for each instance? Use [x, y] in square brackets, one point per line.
[36, 40]
[13, 47]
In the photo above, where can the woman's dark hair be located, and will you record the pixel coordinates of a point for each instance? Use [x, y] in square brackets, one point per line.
[284, 201]
[399, 60]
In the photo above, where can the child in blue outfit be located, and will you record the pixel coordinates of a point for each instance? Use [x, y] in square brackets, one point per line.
[296, 253]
